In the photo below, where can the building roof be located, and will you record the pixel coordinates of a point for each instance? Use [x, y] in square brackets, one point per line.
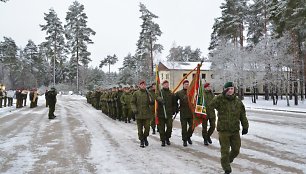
[183, 65]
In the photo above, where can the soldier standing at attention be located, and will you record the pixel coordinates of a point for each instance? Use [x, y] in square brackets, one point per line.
[211, 116]
[231, 112]
[140, 104]
[186, 115]
[126, 105]
[51, 97]
[166, 108]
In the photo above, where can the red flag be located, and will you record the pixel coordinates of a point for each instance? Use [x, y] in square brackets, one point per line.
[196, 99]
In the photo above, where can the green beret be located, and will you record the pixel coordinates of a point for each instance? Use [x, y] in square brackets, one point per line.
[228, 84]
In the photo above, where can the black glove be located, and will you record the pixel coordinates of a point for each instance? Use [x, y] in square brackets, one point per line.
[244, 131]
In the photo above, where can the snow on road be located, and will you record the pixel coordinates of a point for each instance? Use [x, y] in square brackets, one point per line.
[84, 140]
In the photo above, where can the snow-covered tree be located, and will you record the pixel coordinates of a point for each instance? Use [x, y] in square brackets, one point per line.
[109, 60]
[11, 65]
[127, 72]
[229, 64]
[230, 26]
[54, 44]
[78, 36]
[146, 44]
[184, 54]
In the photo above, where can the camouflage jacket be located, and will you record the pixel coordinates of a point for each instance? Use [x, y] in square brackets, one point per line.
[126, 99]
[185, 111]
[231, 112]
[170, 104]
[208, 97]
[140, 104]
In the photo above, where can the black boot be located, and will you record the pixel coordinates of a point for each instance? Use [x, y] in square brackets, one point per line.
[163, 143]
[205, 142]
[227, 172]
[184, 143]
[168, 141]
[209, 140]
[142, 143]
[146, 142]
[189, 141]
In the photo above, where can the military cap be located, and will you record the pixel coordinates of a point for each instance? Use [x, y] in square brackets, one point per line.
[228, 84]
[206, 85]
[165, 81]
[185, 81]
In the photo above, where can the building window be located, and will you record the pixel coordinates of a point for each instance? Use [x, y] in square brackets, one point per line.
[167, 76]
[193, 75]
[248, 89]
[203, 76]
[162, 76]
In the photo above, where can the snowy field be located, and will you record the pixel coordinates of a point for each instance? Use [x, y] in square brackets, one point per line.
[83, 140]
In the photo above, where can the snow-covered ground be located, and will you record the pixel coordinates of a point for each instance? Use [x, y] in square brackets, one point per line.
[84, 140]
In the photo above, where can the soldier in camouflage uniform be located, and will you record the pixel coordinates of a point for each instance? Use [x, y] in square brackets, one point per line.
[152, 92]
[231, 112]
[119, 109]
[114, 106]
[109, 103]
[211, 116]
[140, 103]
[166, 103]
[186, 115]
[126, 105]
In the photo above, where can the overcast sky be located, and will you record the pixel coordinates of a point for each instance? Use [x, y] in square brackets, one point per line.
[116, 23]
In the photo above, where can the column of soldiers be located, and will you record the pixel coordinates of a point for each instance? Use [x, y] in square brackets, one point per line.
[140, 103]
[113, 102]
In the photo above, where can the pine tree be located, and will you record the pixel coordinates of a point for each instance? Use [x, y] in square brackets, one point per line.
[55, 43]
[109, 60]
[11, 66]
[127, 72]
[146, 44]
[78, 36]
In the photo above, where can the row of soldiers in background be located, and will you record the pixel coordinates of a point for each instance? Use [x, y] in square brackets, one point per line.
[6, 98]
[114, 102]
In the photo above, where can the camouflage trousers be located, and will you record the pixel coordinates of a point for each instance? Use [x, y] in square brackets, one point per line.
[165, 128]
[143, 126]
[187, 131]
[212, 125]
[230, 144]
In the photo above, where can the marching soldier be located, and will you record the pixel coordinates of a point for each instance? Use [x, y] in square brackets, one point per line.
[186, 116]
[231, 112]
[152, 92]
[166, 107]
[140, 102]
[211, 116]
